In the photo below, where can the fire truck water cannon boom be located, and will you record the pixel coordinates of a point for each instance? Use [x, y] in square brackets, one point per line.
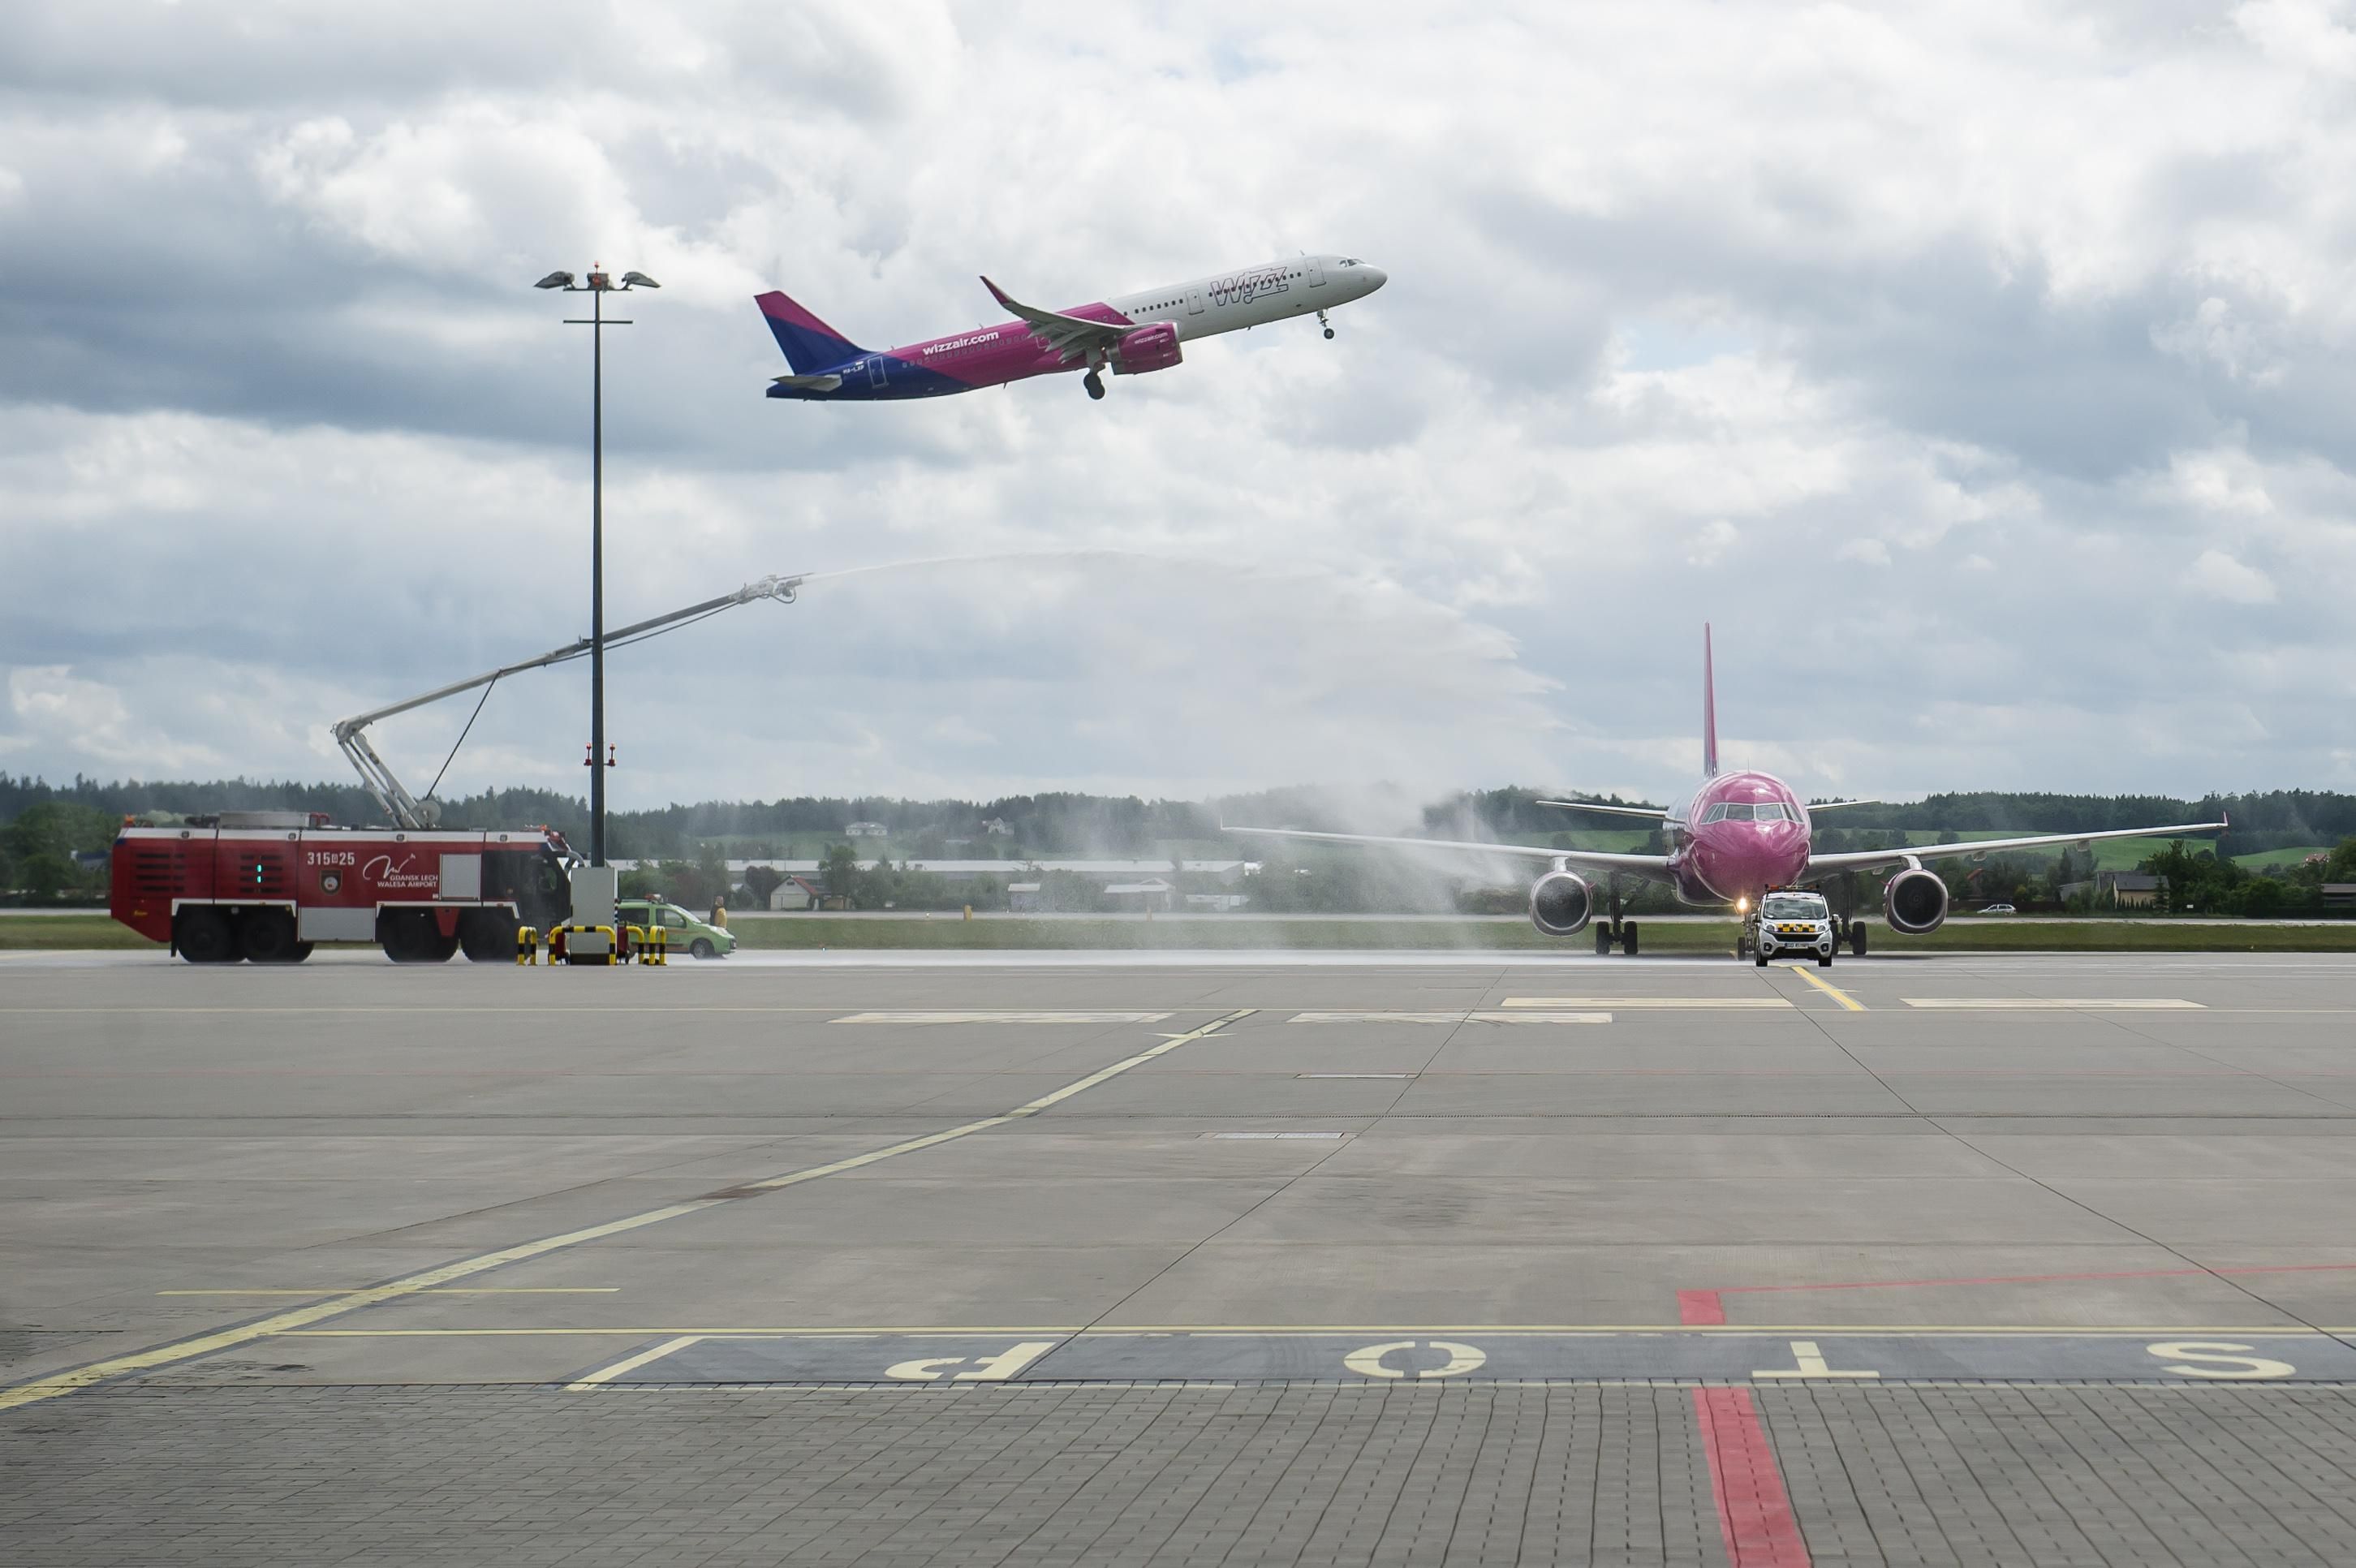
[408, 811]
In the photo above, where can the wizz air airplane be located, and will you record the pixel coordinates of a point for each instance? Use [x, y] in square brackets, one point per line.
[1738, 837]
[1129, 336]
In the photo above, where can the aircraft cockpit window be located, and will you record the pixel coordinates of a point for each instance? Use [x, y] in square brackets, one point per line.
[1770, 811]
[1738, 811]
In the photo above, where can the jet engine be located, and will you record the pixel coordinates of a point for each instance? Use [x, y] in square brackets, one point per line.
[1561, 904]
[1150, 348]
[1915, 901]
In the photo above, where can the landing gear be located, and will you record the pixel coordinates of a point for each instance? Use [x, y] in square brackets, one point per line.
[1602, 941]
[1323, 322]
[1094, 382]
[1628, 939]
[1856, 938]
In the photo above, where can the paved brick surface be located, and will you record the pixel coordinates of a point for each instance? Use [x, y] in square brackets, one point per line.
[1105, 1473]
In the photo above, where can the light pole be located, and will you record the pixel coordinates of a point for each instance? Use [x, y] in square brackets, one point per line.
[600, 284]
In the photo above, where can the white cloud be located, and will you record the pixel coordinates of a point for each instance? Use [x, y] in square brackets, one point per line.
[2221, 577]
[2033, 306]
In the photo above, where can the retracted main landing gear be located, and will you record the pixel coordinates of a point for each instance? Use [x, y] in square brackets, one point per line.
[1623, 932]
[1325, 324]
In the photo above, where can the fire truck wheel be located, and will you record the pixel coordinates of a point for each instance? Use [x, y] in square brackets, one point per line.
[411, 936]
[488, 936]
[266, 936]
[203, 935]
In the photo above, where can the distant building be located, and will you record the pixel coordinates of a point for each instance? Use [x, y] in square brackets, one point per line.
[1022, 898]
[796, 892]
[1152, 894]
[998, 828]
[866, 831]
[2339, 894]
[2130, 889]
[1217, 903]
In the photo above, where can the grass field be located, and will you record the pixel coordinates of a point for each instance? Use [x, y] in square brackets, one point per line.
[942, 932]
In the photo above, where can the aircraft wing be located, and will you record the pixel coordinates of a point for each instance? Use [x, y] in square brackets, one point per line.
[1067, 335]
[1649, 813]
[1872, 859]
[1837, 805]
[1651, 865]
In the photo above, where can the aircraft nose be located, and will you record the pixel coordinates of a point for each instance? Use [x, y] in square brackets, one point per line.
[1375, 278]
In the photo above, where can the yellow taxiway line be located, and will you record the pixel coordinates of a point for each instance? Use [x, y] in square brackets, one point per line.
[1835, 991]
[336, 1305]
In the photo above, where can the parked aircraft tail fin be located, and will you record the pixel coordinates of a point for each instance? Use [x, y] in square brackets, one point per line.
[810, 345]
[1708, 710]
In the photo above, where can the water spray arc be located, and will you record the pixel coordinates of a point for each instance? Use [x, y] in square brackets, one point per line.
[408, 810]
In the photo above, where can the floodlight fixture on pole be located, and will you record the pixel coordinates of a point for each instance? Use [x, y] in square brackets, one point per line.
[600, 283]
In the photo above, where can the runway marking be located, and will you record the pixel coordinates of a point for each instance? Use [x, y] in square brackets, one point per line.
[59, 1383]
[1755, 1511]
[1002, 1018]
[1808, 1361]
[1835, 991]
[1548, 1017]
[1274, 1135]
[632, 1363]
[1392, 1074]
[443, 1290]
[1618, 1001]
[2052, 1003]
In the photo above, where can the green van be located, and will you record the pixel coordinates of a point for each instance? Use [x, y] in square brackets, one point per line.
[682, 932]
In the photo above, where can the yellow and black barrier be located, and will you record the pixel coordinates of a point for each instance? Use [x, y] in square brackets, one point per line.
[655, 948]
[526, 946]
[559, 949]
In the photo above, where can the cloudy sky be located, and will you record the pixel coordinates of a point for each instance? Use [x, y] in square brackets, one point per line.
[1983, 370]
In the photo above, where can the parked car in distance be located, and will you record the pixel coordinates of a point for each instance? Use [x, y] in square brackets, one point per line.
[682, 932]
[1999, 909]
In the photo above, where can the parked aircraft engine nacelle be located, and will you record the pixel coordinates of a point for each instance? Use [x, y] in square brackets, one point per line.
[1150, 348]
[1915, 901]
[1561, 904]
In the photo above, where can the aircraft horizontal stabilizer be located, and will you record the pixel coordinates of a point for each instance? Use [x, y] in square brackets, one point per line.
[809, 383]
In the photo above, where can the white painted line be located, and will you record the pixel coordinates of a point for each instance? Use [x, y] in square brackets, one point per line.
[1271, 1136]
[1353, 1075]
[1546, 1017]
[632, 1363]
[2050, 1003]
[1619, 1002]
[1000, 1017]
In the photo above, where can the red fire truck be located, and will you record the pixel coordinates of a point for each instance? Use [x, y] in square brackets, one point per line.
[265, 886]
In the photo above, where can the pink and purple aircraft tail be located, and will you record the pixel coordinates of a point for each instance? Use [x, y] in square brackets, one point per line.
[810, 345]
[1708, 710]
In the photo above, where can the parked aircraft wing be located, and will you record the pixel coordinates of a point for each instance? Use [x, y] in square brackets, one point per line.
[1653, 866]
[1840, 805]
[1067, 335]
[1870, 859]
[810, 383]
[1649, 813]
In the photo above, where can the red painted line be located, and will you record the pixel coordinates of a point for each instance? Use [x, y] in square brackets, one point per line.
[1700, 1307]
[2028, 1278]
[1754, 1512]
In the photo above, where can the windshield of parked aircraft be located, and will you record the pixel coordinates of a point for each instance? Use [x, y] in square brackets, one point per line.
[1791, 907]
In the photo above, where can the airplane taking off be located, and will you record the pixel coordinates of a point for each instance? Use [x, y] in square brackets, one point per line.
[1737, 837]
[1129, 336]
